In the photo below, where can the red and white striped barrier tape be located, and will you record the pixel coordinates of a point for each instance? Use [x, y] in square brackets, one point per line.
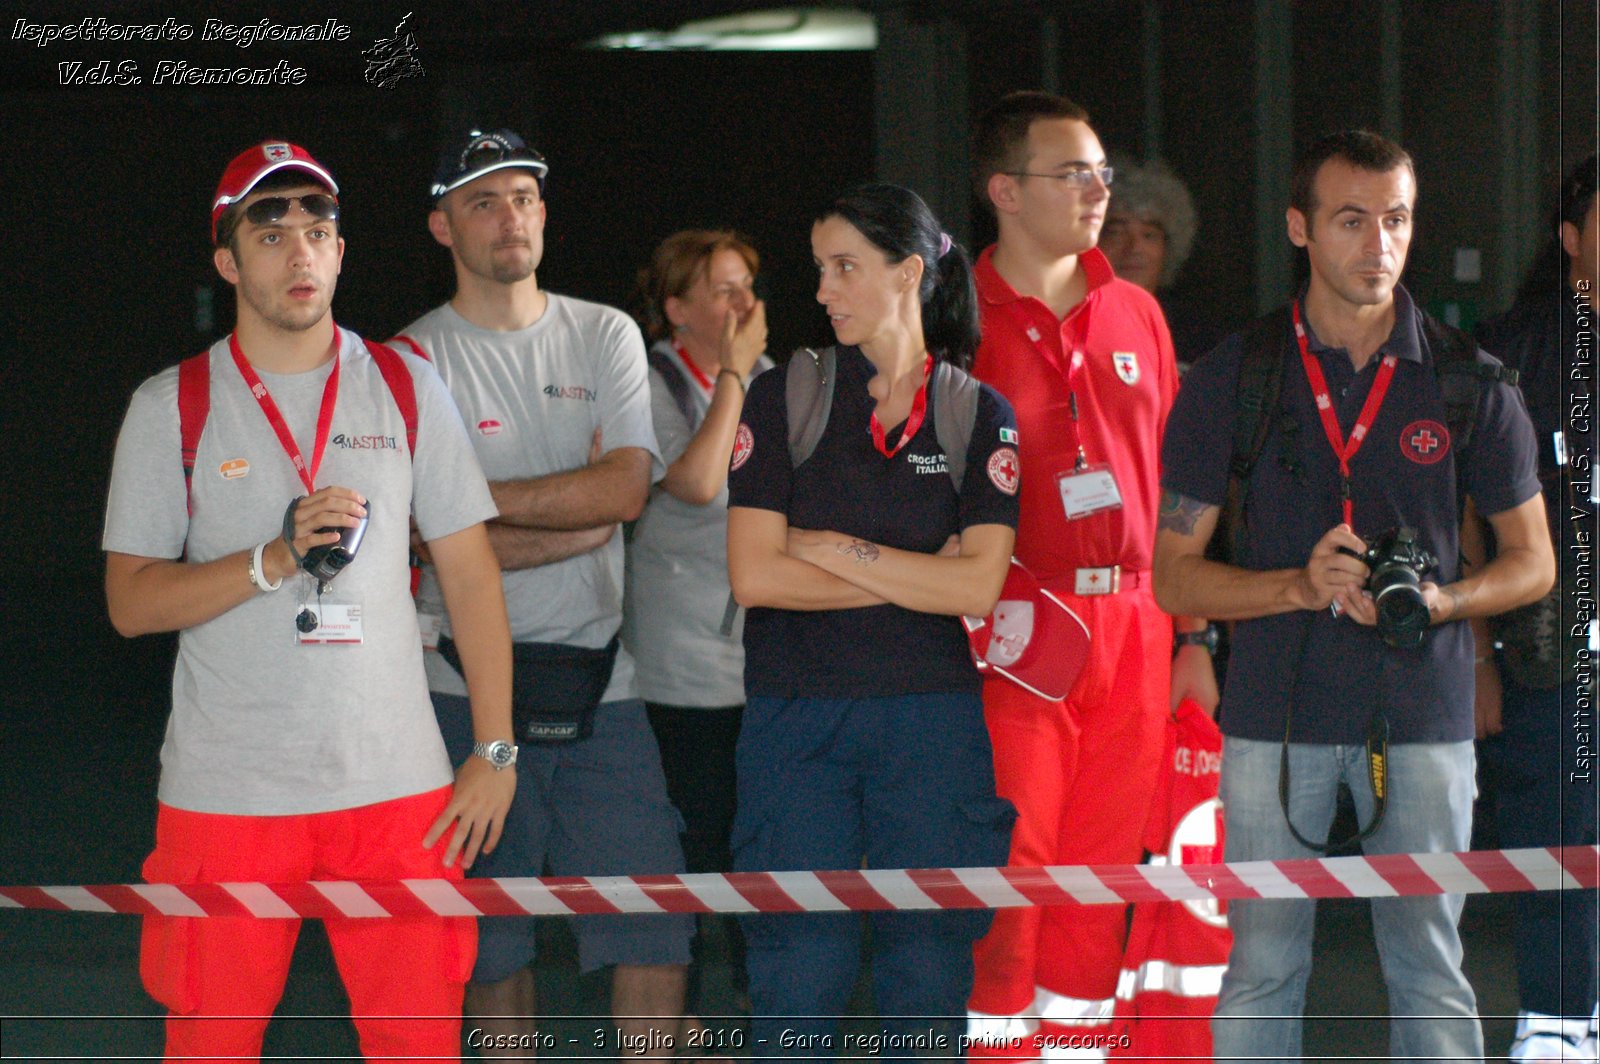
[1471, 872]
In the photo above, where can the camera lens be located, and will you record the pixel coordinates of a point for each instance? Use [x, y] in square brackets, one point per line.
[1402, 613]
[1397, 562]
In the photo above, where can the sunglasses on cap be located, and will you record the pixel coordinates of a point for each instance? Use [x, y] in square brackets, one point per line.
[269, 209]
[490, 153]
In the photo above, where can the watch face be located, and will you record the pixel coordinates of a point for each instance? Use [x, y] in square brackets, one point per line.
[498, 753]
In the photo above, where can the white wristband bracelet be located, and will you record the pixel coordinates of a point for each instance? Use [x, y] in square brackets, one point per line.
[257, 573]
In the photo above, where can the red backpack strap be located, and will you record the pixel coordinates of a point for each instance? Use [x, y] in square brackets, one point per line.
[416, 348]
[401, 386]
[194, 404]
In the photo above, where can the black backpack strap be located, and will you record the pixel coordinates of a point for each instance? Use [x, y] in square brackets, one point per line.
[955, 413]
[1462, 375]
[1260, 383]
[1262, 351]
[808, 399]
[677, 385]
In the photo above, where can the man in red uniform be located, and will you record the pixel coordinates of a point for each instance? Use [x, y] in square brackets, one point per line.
[1087, 361]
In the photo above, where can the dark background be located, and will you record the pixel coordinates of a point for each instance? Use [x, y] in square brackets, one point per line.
[108, 278]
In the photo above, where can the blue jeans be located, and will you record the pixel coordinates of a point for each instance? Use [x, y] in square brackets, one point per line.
[902, 781]
[1433, 1012]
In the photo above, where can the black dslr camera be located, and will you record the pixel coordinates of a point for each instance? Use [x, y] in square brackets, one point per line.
[1398, 562]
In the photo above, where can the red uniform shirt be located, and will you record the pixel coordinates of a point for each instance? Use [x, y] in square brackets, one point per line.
[1114, 352]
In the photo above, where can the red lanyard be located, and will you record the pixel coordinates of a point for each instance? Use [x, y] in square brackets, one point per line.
[919, 412]
[1074, 363]
[1343, 450]
[706, 384]
[330, 392]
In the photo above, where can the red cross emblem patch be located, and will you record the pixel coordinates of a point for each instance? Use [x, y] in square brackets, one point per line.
[1004, 472]
[1425, 442]
[744, 445]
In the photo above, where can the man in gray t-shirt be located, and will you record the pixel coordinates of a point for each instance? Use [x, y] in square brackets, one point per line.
[301, 744]
[554, 393]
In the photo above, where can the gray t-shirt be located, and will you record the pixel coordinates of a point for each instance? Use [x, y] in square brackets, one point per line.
[677, 588]
[531, 400]
[261, 725]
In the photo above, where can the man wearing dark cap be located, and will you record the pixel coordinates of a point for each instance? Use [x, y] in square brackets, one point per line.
[1534, 671]
[555, 395]
[302, 745]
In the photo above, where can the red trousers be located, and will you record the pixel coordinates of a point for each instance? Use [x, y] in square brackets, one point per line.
[1081, 773]
[221, 977]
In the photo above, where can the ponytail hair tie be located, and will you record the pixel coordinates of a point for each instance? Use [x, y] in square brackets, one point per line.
[945, 244]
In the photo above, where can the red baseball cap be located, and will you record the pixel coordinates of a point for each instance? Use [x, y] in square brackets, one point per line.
[1032, 638]
[252, 164]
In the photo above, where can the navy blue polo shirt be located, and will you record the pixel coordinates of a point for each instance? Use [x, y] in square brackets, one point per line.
[908, 502]
[1341, 673]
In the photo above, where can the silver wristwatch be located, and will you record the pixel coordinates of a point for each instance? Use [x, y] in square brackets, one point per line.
[499, 753]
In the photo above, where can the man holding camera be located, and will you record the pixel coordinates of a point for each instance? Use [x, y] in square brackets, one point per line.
[302, 745]
[555, 395]
[1349, 661]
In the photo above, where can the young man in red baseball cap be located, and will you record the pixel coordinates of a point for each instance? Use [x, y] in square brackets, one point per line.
[302, 745]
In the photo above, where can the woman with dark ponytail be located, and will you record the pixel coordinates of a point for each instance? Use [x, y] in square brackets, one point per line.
[867, 513]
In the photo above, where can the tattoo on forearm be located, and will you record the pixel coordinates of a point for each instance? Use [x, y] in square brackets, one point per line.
[1179, 513]
[863, 552]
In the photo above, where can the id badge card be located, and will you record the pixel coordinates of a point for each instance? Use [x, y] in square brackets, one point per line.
[430, 624]
[1088, 491]
[324, 623]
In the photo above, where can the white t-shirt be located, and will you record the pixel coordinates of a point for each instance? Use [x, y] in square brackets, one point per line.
[261, 725]
[531, 400]
[677, 589]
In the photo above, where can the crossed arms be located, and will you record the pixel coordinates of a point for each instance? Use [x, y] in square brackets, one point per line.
[557, 516]
[771, 564]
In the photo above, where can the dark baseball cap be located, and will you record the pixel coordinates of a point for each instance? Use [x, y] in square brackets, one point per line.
[477, 153]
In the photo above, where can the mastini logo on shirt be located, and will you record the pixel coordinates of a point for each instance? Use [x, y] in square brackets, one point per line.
[570, 391]
[365, 443]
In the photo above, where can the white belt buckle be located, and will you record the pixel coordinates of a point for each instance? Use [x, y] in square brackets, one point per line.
[1102, 581]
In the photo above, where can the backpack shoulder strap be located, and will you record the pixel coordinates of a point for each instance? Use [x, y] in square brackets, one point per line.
[955, 413]
[401, 386]
[416, 348]
[1461, 375]
[808, 399]
[194, 406]
[677, 386]
[1260, 385]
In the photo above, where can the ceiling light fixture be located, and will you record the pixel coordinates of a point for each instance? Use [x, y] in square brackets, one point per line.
[790, 29]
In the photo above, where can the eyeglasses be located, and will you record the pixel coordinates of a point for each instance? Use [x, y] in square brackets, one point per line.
[1072, 178]
[271, 209]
